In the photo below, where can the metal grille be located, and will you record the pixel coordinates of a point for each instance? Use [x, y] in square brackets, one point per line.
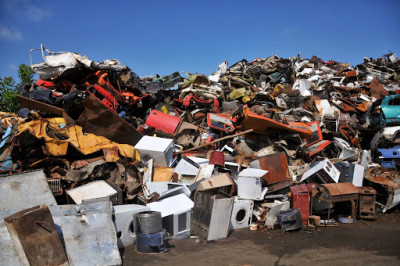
[55, 185]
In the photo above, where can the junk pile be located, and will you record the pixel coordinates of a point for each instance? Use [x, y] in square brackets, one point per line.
[98, 158]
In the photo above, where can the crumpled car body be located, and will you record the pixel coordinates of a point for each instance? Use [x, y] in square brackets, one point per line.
[57, 63]
[384, 112]
[391, 110]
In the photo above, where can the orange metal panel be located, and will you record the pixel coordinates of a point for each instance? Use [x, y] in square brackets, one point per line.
[264, 125]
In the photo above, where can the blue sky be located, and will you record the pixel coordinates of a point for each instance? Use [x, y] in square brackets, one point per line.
[195, 36]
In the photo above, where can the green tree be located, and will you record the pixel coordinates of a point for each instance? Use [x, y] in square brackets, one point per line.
[25, 73]
[8, 95]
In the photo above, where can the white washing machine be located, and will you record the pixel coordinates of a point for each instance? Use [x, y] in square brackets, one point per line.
[242, 212]
[124, 223]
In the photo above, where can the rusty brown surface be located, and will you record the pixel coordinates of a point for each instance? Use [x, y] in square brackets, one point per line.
[346, 107]
[40, 106]
[96, 119]
[340, 189]
[280, 185]
[352, 73]
[350, 134]
[363, 107]
[366, 203]
[366, 190]
[299, 189]
[384, 181]
[376, 89]
[38, 235]
[277, 167]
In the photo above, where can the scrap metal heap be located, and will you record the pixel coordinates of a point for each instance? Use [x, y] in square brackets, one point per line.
[275, 142]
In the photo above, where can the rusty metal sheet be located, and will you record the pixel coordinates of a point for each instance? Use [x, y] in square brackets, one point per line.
[366, 190]
[352, 73]
[388, 191]
[277, 167]
[298, 189]
[264, 125]
[350, 134]
[384, 181]
[336, 189]
[377, 91]
[38, 236]
[97, 118]
[366, 203]
[363, 107]
[283, 185]
[310, 186]
[40, 106]
[324, 196]
[345, 106]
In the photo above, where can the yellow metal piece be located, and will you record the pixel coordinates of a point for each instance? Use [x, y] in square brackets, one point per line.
[5, 118]
[237, 93]
[73, 135]
[277, 90]
[162, 174]
[164, 109]
[245, 99]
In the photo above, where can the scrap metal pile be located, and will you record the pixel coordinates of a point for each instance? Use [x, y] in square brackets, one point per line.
[284, 143]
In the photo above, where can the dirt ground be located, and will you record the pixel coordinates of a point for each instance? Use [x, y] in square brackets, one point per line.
[363, 243]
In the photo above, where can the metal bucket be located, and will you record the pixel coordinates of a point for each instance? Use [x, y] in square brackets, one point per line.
[147, 222]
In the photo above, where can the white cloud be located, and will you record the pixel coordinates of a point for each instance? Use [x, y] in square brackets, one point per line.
[13, 67]
[10, 34]
[35, 13]
[25, 10]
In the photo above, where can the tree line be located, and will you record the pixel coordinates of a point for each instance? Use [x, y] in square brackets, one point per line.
[8, 88]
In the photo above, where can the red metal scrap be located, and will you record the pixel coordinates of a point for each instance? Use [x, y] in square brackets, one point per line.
[163, 122]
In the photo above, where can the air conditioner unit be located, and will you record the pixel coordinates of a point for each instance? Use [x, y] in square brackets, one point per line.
[178, 224]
